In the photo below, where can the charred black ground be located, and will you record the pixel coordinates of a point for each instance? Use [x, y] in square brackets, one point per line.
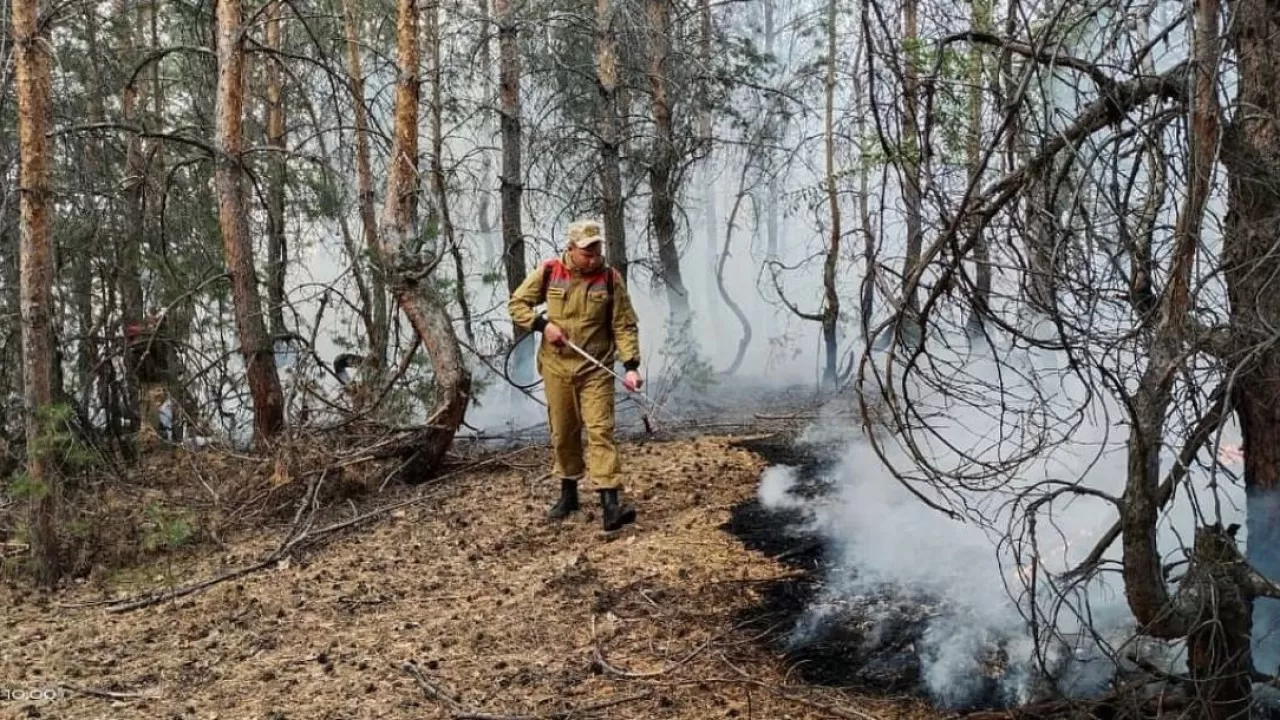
[871, 642]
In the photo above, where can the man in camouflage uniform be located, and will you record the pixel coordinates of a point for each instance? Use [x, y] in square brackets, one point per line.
[587, 304]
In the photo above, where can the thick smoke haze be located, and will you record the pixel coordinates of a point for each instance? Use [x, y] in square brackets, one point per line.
[880, 535]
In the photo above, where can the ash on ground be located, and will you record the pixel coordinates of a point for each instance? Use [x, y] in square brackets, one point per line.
[880, 640]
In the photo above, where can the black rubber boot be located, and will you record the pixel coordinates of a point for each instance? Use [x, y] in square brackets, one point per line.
[568, 501]
[615, 515]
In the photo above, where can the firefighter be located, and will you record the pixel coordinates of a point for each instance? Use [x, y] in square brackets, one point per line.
[586, 304]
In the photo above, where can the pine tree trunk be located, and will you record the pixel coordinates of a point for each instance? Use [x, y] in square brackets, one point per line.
[610, 167]
[439, 183]
[831, 301]
[509, 109]
[663, 166]
[233, 217]
[32, 66]
[378, 330]
[911, 152]
[1251, 266]
[413, 291]
[129, 246]
[973, 157]
[485, 209]
[277, 247]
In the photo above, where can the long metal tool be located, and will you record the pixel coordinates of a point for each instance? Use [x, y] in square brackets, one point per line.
[646, 406]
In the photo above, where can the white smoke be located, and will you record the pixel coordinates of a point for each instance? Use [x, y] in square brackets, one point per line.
[882, 535]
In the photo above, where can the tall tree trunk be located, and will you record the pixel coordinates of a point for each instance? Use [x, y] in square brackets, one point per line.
[509, 109]
[867, 304]
[663, 166]
[615, 230]
[233, 217]
[129, 246]
[1252, 264]
[973, 157]
[96, 170]
[378, 329]
[32, 66]
[411, 285]
[485, 210]
[912, 147]
[831, 301]
[771, 202]
[277, 247]
[512, 181]
[706, 145]
[438, 180]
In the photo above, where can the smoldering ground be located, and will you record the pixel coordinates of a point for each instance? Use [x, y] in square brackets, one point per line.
[903, 597]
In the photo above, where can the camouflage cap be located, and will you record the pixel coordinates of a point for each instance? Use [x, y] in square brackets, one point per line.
[585, 233]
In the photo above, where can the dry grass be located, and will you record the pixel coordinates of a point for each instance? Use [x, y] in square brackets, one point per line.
[499, 611]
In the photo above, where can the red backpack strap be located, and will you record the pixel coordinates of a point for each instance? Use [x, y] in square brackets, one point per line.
[548, 268]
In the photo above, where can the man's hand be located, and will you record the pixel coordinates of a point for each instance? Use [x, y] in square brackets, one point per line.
[631, 381]
[554, 334]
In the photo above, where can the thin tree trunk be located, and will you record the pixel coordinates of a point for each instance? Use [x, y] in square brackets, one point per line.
[831, 302]
[610, 167]
[745, 341]
[32, 66]
[512, 181]
[277, 247]
[911, 153]
[439, 185]
[771, 202]
[871, 271]
[663, 165]
[706, 145]
[973, 156]
[135, 184]
[233, 217]
[485, 209]
[411, 286]
[378, 329]
[87, 346]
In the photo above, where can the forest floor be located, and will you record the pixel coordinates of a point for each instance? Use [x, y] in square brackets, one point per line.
[453, 598]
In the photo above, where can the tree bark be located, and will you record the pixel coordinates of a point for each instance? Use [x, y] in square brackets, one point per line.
[32, 66]
[981, 300]
[512, 180]
[663, 165]
[706, 140]
[1251, 264]
[912, 148]
[378, 330]
[277, 246]
[484, 211]
[438, 181]
[615, 230]
[129, 246]
[233, 217]
[411, 283]
[831, 301]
